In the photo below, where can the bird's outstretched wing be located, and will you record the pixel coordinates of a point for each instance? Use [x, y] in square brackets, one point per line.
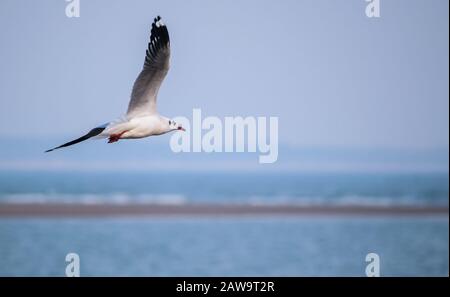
[94, 132]
[156, 66]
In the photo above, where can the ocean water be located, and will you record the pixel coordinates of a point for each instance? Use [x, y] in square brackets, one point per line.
[226, 246]
[271, 246]
[224, 188]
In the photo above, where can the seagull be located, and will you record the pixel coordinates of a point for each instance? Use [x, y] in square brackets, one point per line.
[142, 119]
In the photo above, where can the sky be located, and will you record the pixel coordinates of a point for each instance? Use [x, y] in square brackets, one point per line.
[334, 77]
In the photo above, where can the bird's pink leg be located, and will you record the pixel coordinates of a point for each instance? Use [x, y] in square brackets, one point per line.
[115, 137]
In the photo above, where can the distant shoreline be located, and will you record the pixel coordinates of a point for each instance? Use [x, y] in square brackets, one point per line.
[66, 210]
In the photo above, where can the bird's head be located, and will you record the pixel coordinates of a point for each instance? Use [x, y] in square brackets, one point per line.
[175, 126]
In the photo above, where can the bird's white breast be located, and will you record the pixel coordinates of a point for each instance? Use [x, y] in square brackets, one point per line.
[145, 126]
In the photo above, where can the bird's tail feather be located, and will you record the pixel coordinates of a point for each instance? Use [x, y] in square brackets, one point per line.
[93, 133]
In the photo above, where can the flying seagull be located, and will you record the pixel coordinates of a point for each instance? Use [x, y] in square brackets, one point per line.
[142, 119]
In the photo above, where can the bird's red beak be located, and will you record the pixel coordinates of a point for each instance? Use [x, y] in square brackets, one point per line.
[182, 129]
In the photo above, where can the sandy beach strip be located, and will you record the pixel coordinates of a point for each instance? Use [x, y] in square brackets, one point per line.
[117, 210]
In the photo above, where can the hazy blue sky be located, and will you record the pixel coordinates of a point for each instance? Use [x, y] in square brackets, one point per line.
[333, 76]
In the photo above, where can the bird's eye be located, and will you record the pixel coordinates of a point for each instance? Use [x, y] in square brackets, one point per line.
[170, 122]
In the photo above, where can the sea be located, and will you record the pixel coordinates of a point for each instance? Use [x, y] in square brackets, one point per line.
[269, 245]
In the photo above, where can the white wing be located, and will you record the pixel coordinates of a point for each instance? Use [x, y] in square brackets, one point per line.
[156, 66]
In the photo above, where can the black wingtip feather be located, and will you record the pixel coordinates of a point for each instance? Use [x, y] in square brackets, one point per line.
[94, 132]
[159, 39]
